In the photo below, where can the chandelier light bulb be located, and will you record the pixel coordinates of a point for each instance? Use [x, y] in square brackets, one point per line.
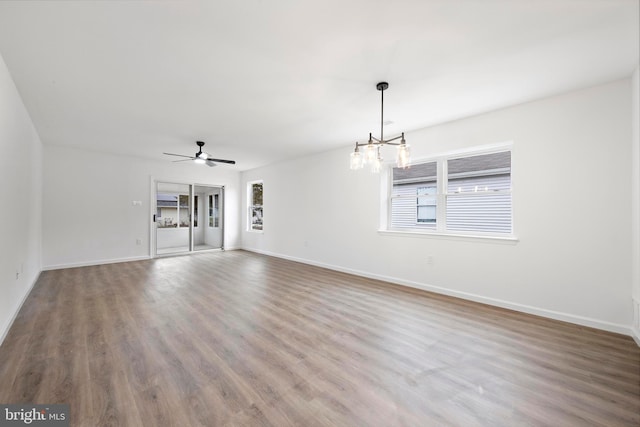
[356, 160]
[370, 153]
[404, 156]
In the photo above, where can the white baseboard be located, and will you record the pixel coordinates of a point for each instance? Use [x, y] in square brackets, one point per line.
[117, 260]
[95, 262]
[565, 317]
[7, 327]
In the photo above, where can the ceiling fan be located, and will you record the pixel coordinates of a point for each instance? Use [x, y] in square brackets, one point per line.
[201, 157]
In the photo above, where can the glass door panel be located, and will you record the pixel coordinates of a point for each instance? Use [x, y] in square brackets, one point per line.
[173, 218]
[209, 232]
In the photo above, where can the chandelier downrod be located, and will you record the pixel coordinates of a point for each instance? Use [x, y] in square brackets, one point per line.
[381, 87]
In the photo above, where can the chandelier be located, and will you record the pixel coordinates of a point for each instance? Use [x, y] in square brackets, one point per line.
[371, 150]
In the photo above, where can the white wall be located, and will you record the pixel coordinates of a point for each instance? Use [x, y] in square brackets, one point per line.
[99, 189]
[572, 214]
[174, 238]
[20, 193]
[635, 199]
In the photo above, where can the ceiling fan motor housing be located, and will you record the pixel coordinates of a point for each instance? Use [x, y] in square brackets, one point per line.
[200, 144]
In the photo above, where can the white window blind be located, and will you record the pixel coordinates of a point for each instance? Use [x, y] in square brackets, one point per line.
[479, 193]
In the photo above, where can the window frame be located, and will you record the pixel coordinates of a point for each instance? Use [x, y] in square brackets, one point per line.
[251, 206]
[442, 195]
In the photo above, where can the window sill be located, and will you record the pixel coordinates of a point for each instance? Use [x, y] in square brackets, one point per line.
[506, 240]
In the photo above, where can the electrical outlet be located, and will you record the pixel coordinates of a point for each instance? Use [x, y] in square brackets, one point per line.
[430, 260]
[138, 241]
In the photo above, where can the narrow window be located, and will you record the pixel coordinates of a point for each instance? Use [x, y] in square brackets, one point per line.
[216, 210]
[195, 211]
[210, 201]
[183, 210]
[255, 220]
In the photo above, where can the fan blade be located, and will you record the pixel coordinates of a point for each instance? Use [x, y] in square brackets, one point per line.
[183, 160]
[210, 163]
[231, 162]
[179, 155]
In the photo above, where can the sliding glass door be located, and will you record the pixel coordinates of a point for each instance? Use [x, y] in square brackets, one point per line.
[188, 217]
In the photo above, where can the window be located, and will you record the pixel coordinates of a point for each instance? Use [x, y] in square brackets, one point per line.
[195, 211]
[255, 190]
[426, 204]
[210, 210]
[468, 194]
[479, 193]
[414, 197]
[173, 210]
[214, 210]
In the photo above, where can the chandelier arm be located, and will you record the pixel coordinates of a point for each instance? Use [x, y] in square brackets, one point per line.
[380, 142]
[388, 141]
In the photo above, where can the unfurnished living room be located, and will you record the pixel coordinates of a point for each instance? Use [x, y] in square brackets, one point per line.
[320, 213]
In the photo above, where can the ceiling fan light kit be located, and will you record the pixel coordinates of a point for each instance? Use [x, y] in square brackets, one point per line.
[371, 150]
[201, 157]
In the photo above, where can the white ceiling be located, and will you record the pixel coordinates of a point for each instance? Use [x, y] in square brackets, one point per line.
[262, 81]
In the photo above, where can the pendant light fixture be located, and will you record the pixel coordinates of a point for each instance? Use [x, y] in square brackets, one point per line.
[371, 149]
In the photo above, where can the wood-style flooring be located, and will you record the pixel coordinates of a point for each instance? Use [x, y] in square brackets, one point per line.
[240, 339]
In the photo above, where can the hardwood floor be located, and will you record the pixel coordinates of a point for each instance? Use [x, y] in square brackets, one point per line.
[239, 339]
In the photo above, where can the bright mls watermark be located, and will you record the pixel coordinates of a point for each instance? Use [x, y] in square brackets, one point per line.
[34, 415]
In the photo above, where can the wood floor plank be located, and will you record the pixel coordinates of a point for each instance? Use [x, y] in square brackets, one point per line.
[240, 339]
